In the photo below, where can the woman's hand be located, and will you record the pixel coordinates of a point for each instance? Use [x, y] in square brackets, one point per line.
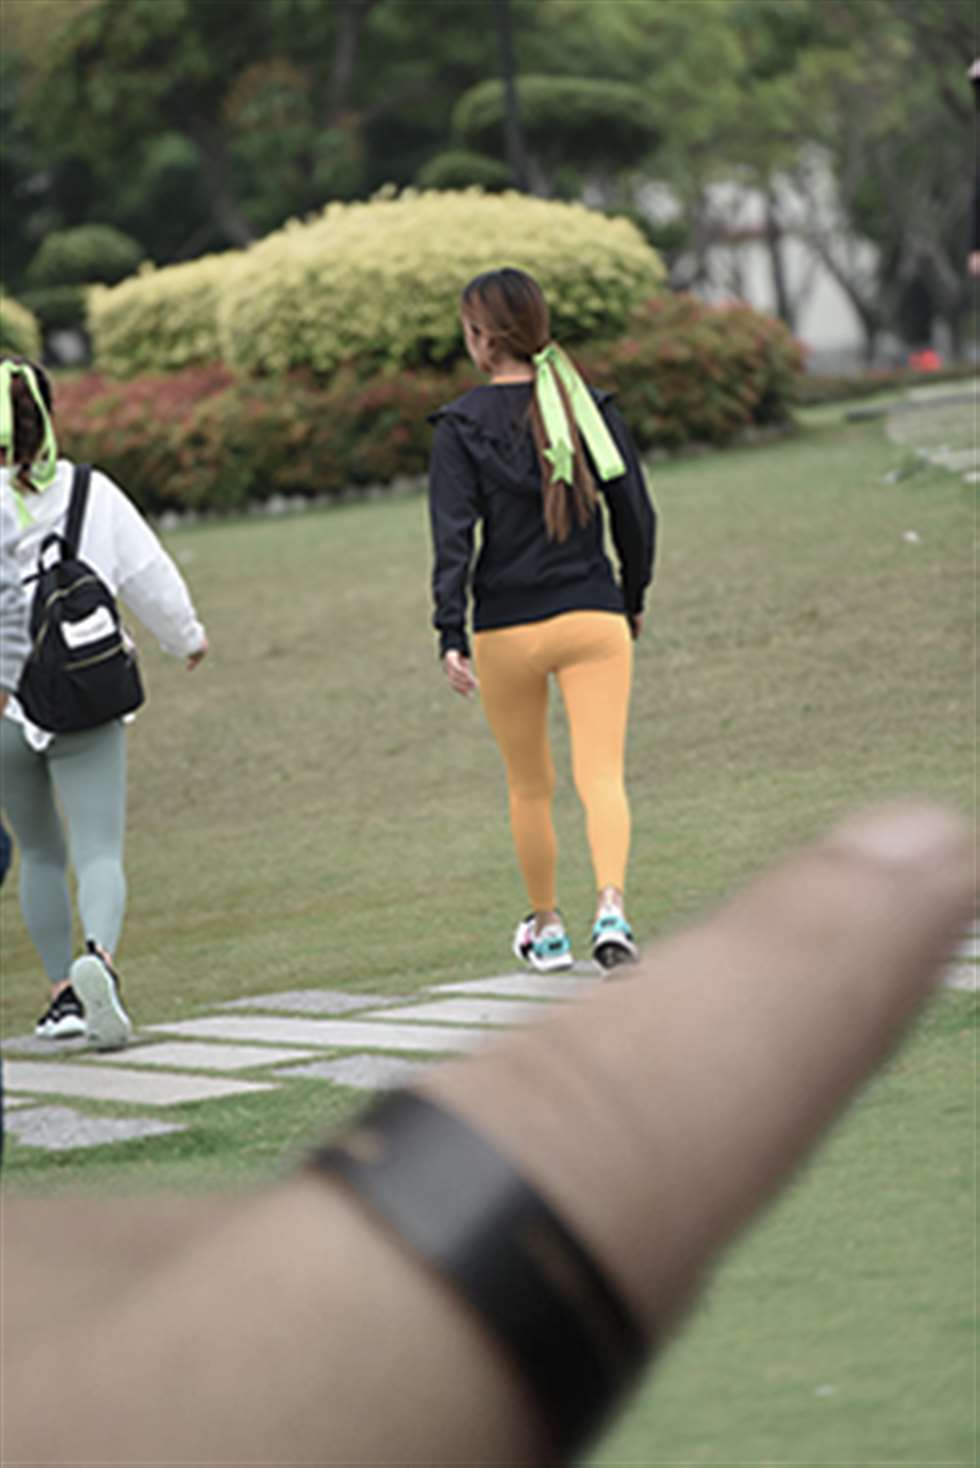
[197, 655]
[461, 677]
[635, 620]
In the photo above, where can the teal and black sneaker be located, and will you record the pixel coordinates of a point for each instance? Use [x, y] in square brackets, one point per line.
[546, 951]
[612, 940]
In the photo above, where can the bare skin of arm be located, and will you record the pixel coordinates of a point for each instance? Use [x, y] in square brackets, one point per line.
[289, 1326]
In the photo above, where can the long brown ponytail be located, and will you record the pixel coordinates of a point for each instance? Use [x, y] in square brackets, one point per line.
[510, 306]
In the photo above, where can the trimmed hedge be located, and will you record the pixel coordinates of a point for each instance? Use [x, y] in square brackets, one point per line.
[586, 120]
[461, 168]
[691, 373]
[372, 286]
[160, 320]
[203, 439]
[20, 330]
[376, 284]
[69, 261]
[815, 388]
[58, 307]
[140, 432]
[84, 255]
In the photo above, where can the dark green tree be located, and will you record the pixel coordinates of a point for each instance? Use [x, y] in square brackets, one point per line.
[245, 113]
[581, 124]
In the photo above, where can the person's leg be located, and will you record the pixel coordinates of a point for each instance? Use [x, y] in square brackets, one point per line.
[28, 801]
[6, 852]
[514, 693]
[88, 771]
[593, 663]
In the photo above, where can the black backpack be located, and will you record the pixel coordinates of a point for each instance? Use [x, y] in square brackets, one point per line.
[80, 671]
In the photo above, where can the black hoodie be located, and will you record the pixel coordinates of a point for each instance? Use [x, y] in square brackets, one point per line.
[485, 469]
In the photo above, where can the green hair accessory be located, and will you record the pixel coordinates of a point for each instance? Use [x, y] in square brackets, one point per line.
[24, 516]
[45, 466]
[551, 366]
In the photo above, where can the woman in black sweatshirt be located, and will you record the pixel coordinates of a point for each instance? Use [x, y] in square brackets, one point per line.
[528, 458]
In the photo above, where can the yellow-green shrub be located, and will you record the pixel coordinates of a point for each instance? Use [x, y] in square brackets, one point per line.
[373, 285]
[20, 332]
[160, 320]
[376, 284]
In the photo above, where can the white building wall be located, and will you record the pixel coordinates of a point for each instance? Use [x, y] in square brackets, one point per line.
[825, 321]
[739, 267]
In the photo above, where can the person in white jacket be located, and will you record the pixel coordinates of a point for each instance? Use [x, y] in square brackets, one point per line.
[65, 794]
[14, 641]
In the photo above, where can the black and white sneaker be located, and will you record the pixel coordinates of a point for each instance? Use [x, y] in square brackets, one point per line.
[107, 1024]
[547, 951]
[63, 1019]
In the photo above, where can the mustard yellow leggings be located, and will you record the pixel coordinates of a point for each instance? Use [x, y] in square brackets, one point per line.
[591, 655]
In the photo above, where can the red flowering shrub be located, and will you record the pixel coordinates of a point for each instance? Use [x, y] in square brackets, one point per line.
[138, 431]
[691, 373]
[203, 439]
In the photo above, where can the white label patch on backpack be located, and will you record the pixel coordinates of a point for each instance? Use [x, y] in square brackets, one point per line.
[93, 628]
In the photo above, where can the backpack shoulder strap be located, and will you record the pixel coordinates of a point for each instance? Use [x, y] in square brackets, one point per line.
[76, 506]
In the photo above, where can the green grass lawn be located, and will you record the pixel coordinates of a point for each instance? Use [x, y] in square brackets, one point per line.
[313, 807]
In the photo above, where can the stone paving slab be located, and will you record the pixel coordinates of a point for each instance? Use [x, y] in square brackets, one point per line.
[362, 1072]
[970, 947]
[956, 459]
[943, 392]
[50, 1049]
[329, 1034]
[963, 976]
[941, 429]
[471, 1012]
[192, 1055]
[60, 1129]
[527, 985]
[315, 1001]
[98, 1083]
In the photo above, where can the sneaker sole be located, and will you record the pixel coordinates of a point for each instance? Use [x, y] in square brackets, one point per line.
[67, 1030]
[543, 965]
[107, 1024]
[550, 965]
[614, 952]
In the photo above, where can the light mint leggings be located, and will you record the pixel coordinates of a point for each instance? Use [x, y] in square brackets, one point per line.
[86, 775]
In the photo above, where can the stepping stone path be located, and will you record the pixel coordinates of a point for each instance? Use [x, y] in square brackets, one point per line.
[256, 1044]
[253, 1045]
[938, 423]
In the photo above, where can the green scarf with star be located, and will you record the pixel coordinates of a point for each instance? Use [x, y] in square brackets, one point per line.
[552, 366]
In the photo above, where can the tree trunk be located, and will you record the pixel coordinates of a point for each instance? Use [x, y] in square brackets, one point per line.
[954, 325]
[871, 327]
[222, 199]
[351, 17]
[516, 148]
[867, 313]
[777, 263]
